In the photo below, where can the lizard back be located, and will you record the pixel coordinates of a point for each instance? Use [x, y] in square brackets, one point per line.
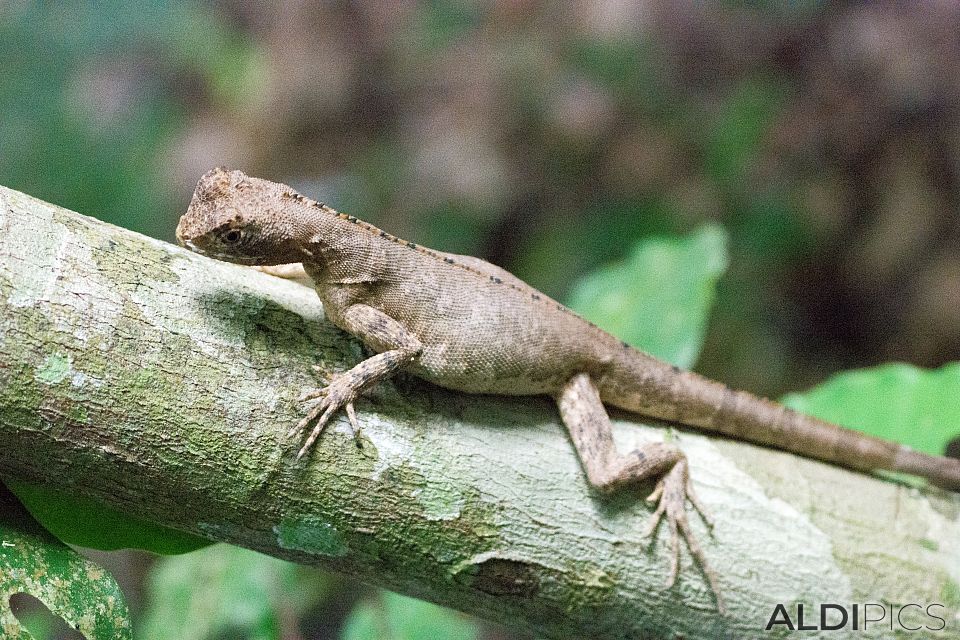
[483, 329]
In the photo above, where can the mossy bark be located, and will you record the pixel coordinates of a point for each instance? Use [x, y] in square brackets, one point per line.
[163, 383]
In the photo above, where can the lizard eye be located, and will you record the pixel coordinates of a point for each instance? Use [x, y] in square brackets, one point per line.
[232, 236]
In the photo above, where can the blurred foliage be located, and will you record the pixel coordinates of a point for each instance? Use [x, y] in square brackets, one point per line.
[86, 522]
[659, 299]
[67, 585]
[390, 616]
[228, 592]
[552, 139]
[84, 100]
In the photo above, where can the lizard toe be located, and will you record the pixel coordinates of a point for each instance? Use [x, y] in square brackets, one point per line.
[307, 419]
[354, 424]
[317, 429]
[312, 394]
[339, 394]
[673, 491]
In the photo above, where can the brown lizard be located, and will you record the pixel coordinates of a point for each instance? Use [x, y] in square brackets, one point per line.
[465, 324]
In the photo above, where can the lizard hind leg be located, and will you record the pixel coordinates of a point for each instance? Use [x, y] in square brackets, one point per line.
[586, 419]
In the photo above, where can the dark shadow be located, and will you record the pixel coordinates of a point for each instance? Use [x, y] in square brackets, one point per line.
[14, 514]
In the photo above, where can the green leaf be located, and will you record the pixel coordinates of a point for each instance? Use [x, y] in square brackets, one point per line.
[86, 522]
[390, 616]
[917, 407]
[658, 300]
[32, 561]
[227, 592]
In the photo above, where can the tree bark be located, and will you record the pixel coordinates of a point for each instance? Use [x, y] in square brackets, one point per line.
[163, 383]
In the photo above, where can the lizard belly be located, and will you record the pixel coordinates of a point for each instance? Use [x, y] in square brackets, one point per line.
[475, 377]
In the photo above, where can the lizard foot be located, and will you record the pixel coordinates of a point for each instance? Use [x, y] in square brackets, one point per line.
[340, 393]
[671, 494]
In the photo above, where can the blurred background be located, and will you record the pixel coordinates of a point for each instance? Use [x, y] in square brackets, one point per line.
[545, 137]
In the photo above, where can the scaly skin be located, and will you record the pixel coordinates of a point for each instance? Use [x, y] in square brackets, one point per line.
[468, 325]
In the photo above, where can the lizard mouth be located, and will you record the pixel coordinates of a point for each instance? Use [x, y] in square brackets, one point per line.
[196, 247]
[226, 256]
[191, 245]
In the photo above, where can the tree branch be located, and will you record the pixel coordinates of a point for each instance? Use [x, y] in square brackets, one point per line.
[163, 384]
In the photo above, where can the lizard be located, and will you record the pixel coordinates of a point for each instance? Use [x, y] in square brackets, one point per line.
[465, 324]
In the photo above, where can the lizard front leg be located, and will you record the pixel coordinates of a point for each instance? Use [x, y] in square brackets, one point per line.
[291, 271]
[397, 347]
[586, 419]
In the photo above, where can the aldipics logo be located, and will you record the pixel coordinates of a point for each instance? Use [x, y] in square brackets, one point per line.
[859, 617]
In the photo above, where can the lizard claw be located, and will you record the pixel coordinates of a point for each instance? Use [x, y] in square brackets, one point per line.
[354, 424]
[671, 494]
[321, 373]
[339, 394]
[311, 395]
[312, 415]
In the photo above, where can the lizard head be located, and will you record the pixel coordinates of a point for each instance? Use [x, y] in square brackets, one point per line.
[240, 219]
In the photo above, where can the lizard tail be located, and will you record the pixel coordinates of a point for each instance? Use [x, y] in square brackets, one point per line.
[647, 386]
[943, 472]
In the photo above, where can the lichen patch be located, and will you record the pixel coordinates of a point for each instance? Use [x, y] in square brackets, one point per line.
[55, 368]
[439, 502]
[310, 535]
